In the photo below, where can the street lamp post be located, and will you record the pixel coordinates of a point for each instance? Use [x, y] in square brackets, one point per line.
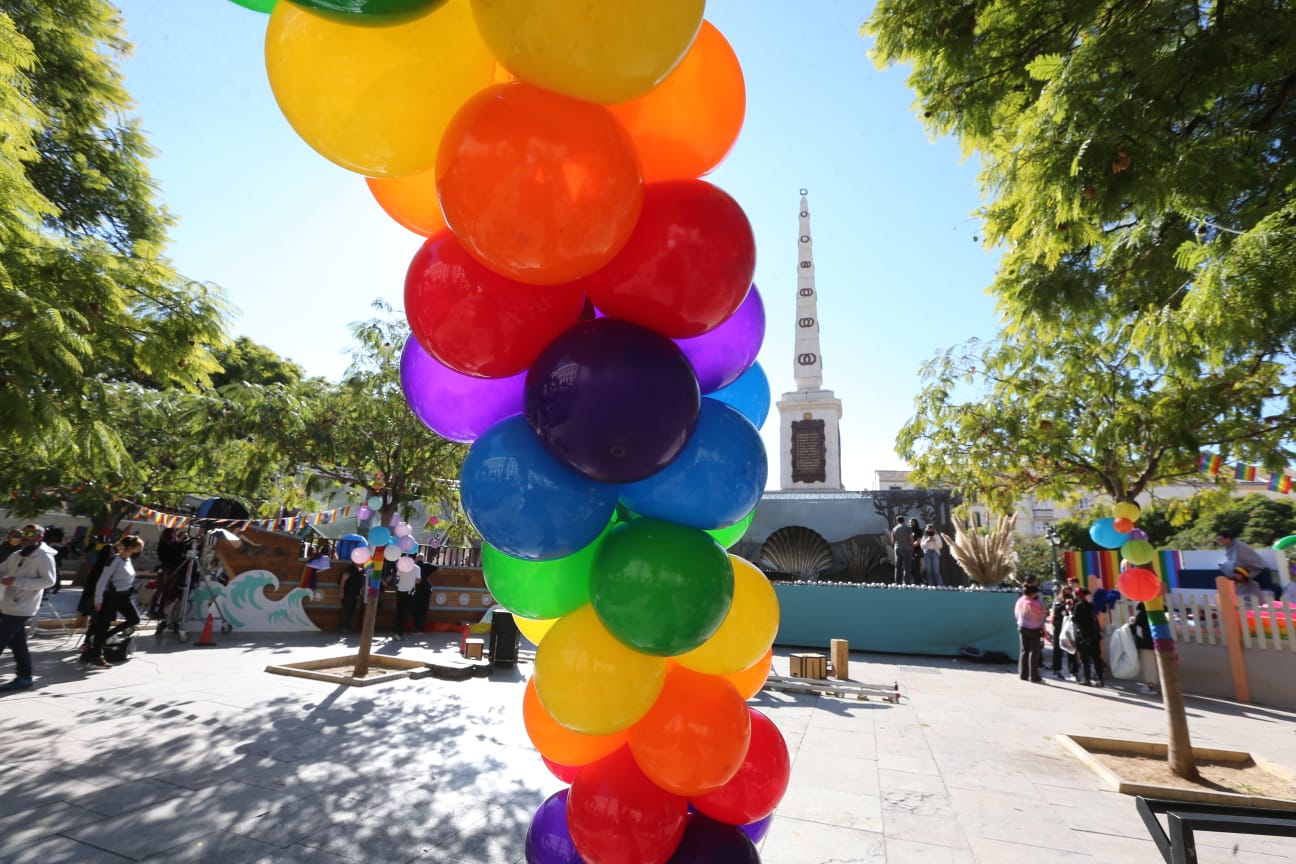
[1051, 535]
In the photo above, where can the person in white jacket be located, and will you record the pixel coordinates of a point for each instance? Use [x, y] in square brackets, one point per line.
[26, 575]
[931, 544]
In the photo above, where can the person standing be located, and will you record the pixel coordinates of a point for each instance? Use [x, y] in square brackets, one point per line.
[1143, 640]
[171, 551]
[349, 587]
[423, 592]
[1029, 613]
[932, 545]
[1088, 639]
[113, 595]
[902, 541]
[13, 542]
[1062, 605]
[27, 573]
[1238, 554]
[915, 530]
[405, 582]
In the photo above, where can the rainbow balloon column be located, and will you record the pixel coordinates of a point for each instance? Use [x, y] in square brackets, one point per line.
[582, 314]
[1138, 583]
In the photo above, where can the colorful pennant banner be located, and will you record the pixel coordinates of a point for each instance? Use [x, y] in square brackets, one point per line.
[287, 524]
[1210, 463]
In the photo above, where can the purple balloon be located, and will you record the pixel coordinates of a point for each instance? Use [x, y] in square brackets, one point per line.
[707, 841]
[363, 512]
[1137, 534]
[721, 355]
[547, 840]
[612, 400]
[758, 829]
[453, 405]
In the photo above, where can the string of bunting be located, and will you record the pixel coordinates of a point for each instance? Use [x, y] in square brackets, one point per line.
[1212, 464]
[287, 524]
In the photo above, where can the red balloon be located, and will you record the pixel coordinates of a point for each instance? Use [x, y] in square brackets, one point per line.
[1138, 584]
[687, 266]
[478, 322]
[565, 773]
[695, 737]
[616, 815]
[1123, 525]
[539, 187]
[758, 787]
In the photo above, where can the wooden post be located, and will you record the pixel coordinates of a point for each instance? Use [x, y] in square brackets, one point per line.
[840, 650]
[1232, 624]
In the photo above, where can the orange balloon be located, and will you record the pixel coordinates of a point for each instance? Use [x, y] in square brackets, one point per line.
[1123, 525]
[538, 187]
[749, 681]
[687, 124]
[556, 742]
[695, 737]
[411, 201]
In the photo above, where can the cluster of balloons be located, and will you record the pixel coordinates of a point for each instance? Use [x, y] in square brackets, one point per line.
[1138, 583]
[582, 313]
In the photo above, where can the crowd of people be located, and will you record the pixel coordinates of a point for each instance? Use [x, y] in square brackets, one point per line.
[917, 553]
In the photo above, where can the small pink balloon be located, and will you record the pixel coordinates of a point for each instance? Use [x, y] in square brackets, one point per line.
[363, 512]
[392, 552]
[405, 565]
[403, 529]
[361, 555]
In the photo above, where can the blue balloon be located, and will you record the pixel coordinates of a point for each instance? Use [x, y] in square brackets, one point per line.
[379, 536]
[750, 394]
[1104, 533]
[523, 502]
[547, 840]
[714, 482]
[757, 830]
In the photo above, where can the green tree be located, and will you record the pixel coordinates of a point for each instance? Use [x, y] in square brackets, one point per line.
[362, 436]
[244, 361]
[1140, 152]
[86, 298]
[1082, 411]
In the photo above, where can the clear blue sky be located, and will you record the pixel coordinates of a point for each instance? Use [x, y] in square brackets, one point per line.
[301, 249]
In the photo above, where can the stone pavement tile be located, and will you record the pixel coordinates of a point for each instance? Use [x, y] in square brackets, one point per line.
[1115, 849]
[1095, 810]
[937, 827]
[500, 838]
[1282, 847]
[898, 758]
[892, 780]
[29, 789]
[29, 826]
[988, 851]
[831, 807]
[128, 796]
[908, 852]
[58, 850]
[184, 817]
[1011, 819]
[859, 744]
[294, 819]
[298, 854]
[795, 841]
[218, 847]
[824, 770]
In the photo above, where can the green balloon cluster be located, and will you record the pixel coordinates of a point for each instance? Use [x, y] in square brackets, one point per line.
[540, 589]
[266, 6]
[660, 587]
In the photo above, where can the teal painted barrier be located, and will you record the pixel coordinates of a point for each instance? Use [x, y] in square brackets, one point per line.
[896, 620]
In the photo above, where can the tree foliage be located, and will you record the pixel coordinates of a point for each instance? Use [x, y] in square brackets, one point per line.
[1084, 410]
[361, 435]
[1137, 161]
[87, 300]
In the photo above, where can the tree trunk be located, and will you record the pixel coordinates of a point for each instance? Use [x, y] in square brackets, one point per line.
[371, 610]
[1180, 753]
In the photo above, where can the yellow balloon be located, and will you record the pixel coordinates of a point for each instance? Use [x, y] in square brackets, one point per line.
[375, 99]
[534, 629]
[591, 683]
[1126, 510]
[747, 631]
[603, 51]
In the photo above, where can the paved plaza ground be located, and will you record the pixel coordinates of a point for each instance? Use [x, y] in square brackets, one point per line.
[193, 754]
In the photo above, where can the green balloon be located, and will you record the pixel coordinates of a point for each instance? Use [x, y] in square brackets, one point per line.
[372, 8]
[660, 587]
[540, 589]
[266, 6]
[727, 537]
[1286, 542]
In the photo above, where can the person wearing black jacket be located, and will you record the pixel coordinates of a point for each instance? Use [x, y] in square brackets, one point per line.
[349, 587]
[1148, 672]
[1088, 639]
[1061, 608]
[422, 592]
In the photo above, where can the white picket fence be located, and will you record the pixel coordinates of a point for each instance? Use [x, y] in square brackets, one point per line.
[1194, 618]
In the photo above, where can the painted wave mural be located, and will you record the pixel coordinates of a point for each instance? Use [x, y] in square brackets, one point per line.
[244, 604]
